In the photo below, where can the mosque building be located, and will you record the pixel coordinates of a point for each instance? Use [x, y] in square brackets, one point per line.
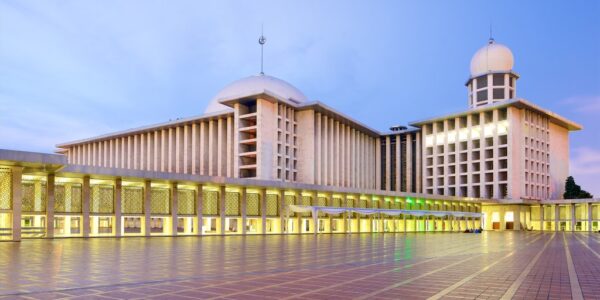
[265, 159]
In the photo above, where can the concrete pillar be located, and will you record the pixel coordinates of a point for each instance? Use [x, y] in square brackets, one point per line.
[589, 217]
[542, 217]
[517, 217]
[573, 217]
[345, 214]
[173, 205]
[315, 217]
[282, 212]
[243, 202]
[17, 198]
[263, 210]
[404, 220]
[328, 202]
[502, 218]
[50, 206]
[85, 206]
[118, 202]
[199, 200]
[556, 217]
[298, 199]
[147, 205]
[222, 208]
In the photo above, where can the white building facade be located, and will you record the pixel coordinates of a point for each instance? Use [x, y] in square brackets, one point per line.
[262, 148]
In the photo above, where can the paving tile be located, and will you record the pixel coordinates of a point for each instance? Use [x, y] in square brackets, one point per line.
[376, 266]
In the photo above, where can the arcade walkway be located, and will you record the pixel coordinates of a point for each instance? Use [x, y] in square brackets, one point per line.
[492, 265]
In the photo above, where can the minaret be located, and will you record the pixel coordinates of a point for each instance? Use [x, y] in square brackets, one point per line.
[492, 78]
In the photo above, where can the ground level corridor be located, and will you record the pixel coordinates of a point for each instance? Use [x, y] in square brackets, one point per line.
[492, 265]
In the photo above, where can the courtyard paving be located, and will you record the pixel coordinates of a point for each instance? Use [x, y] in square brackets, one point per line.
[492, 265]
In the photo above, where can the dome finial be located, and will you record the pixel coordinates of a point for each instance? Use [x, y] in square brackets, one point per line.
[491, 40]
[261, 40]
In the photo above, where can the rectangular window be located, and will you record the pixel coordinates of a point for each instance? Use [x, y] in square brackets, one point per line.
[498, 79]
[482, 95]
[498, 93]
[482, 82]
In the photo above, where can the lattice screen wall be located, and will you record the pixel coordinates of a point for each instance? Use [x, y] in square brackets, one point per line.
[5, 188]
[350, 203]
[363, 203]
[186, 202]
[272, 205]
[159, 201]
[306, 200]
[210, 203]
[67, 198]
[34, 196]
[232, 204]
[252, 205]
[102, 199]
[290, 200]
[132, 200]
[321, 201]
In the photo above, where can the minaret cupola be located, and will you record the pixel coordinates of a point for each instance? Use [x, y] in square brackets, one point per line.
[492, 78]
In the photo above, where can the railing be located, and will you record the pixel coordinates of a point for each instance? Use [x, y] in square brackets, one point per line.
[5, 232]
[33, 232]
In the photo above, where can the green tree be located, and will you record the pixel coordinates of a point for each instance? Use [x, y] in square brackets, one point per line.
[574, 191]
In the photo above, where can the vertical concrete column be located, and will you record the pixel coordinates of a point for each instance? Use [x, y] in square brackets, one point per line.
[118, 203]
[147, 205]
[404, 220]
[174, 204]
[85, 205]
[315, 217]
[199, 203]
[371, 217]
[345, 214]
[222, 207]
[589, 216]
[244, 205]
[517, 218]
[573, 217]
[542, 216]
[298, 199]
[282, 212]
[502, 218]
[17, 198]
[50, 205]
[263, 210]
[556, 216]
[359, 216]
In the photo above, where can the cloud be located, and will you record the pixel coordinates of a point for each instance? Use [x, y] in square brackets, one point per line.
[585, 168]
[584, 104]
[585, 161]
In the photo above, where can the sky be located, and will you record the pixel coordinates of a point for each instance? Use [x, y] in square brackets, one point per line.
[77, 69]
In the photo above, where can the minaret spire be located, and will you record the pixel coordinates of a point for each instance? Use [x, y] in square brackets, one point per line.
[261, 40]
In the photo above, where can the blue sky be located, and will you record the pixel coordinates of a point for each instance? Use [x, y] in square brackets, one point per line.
[75, 69]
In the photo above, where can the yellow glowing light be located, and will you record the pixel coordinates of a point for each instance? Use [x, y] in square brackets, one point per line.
[451, 136]
[439, 138]
[476, 133]
[463, 134]
[488, 130]
[34, 177]
[66, 180]
[429, 141]
[101, 181]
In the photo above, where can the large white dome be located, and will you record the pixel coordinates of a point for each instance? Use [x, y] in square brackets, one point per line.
[254, 85]
[492, 57]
